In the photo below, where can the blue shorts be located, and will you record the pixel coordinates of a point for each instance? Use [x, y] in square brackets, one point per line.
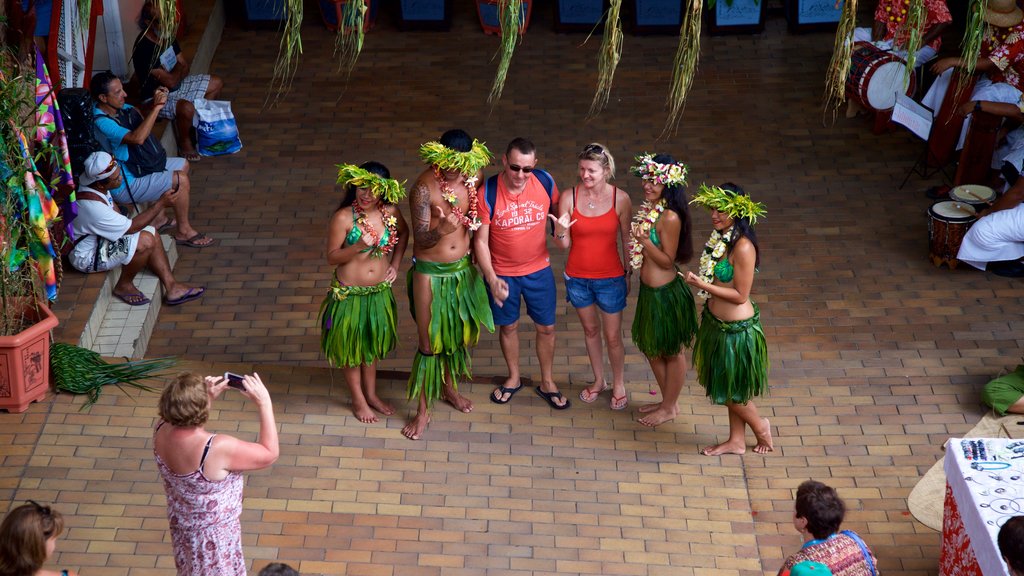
[537, 289]
[608, 293]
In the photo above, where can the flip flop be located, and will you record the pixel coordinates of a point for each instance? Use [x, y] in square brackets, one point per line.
[510, 391]
[549, 397]
[135, 299]
[586, 393]
[192, 294]
[193, 241]
[170, 224]
[619, 402]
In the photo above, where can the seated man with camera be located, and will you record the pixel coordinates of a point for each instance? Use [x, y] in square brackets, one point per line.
[105, 238]
[148, 172]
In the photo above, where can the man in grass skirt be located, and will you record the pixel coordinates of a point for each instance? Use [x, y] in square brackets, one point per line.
[446, 294]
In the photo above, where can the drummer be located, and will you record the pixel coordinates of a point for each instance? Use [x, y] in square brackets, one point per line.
[1001, 60]
[889, 32]
[996, 241]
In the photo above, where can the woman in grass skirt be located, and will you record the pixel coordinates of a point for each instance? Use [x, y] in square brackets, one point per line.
[730, 353]
[365, 241]
[666, 318]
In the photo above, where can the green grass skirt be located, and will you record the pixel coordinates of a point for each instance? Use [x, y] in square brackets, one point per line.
[665, 319]
[458, 308]
[358, 324]
[731, 358]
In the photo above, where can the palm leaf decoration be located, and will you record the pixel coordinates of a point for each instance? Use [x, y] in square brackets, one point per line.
[167, 10]
[913, 31]
[684, 66]
[81, 371]
[608, 58]
[348, 43]
[288, 53]
[839, 67]
[509, 12]
[974, 35]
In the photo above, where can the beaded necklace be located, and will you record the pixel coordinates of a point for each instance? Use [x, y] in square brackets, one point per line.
[390, 224]
[469, 217]
[714, 250]
[643, 221]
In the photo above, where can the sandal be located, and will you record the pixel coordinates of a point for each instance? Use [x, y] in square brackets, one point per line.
[619, 402]
[588, 396]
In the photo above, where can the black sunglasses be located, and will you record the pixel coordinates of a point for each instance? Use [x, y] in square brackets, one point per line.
[593, 149]
[518, 168]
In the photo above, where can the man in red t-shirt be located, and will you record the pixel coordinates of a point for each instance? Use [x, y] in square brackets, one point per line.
[511, 250]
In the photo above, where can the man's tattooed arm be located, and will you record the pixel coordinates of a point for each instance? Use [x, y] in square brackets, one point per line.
[422, 235]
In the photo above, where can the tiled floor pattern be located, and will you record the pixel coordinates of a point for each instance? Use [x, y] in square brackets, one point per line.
[877, 355]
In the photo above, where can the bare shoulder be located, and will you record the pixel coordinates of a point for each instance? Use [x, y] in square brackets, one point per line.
[744, 248]
[622, 200]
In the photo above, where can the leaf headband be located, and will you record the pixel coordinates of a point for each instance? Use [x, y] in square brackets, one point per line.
[387, 188]
[667, 174]
[730, 203]
[466, 163]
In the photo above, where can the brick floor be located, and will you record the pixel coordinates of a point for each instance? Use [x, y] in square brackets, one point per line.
[877, 355]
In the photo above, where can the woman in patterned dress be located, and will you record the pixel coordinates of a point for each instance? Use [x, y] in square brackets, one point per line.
[202, 472]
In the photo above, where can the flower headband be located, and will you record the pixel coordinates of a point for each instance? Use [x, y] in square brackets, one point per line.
[667, 174]
[466, 163]
[728, 202]
[387, 188]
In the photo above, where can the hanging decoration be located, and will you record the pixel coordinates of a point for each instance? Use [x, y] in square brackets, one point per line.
[839, 67]
[288, 53]
[912, 32]
[684, 67]
[510, 16]
[348, 42]
[974, 36]
[608, 58]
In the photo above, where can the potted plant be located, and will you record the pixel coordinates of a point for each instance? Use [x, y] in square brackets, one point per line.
[27, 258]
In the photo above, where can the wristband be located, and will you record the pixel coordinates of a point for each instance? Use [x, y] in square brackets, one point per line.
[977, 105]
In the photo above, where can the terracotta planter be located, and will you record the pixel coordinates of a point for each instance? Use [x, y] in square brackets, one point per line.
[25, 363]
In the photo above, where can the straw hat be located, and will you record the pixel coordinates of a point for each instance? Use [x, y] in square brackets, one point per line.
[1003, 13]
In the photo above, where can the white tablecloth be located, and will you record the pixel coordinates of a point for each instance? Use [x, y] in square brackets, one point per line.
[989, 490]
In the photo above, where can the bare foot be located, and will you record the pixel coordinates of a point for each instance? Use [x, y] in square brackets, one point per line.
[418, 426]
[380, 405]
[458, 401]
[659, 417]
[364, 413]
[649, 408]
[764, 438]
[724, 448]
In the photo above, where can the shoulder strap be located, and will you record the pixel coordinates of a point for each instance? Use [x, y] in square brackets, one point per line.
[863, 550]
[545, 180]
[206, 451]
[491, 193]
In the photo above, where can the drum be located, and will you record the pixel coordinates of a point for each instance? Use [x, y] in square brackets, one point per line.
[876, 77]
[974, 195]
[948, 221]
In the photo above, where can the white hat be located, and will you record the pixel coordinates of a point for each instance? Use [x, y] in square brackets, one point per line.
[98, 166]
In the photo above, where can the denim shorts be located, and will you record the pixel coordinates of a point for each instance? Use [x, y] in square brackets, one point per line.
[608, 293]
[537, 289]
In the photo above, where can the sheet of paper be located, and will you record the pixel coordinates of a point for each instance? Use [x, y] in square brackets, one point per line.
[914, 116]
[168, 59]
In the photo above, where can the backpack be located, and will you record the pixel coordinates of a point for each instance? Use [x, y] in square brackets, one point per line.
[146, 158]
[76, 108]
[491, 189]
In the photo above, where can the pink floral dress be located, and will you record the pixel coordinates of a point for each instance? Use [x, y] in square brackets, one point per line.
[204, 517]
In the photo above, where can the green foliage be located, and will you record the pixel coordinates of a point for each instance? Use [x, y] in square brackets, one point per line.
[81, 371]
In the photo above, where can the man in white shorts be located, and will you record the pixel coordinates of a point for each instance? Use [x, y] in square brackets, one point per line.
[109, 94]
[105, 238]
[996, 241]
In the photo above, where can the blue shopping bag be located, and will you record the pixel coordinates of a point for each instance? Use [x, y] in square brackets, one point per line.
[216, 131]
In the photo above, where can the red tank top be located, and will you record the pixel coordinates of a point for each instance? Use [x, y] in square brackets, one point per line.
[594, 252]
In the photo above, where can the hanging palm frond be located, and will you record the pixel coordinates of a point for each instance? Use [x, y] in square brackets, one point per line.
[167, 12]
[288, 53]
[839, 67]
[912, 31]
[509, 15]
[608, 58]
[348, 43]
[974, 35]
[684, 67]
[84, 11]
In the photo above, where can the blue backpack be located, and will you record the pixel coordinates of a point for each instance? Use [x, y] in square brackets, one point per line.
[491, 189]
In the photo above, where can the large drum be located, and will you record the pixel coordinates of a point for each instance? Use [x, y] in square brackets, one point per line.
[974, 195]
[948, 221]
[876, 77]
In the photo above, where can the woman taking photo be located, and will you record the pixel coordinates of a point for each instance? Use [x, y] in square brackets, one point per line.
[202, 471]
[666, 318]
[365, 242]
[730, 353]
[28, 537]
[594, 225]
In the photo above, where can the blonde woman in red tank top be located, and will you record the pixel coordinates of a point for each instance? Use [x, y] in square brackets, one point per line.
[594, 226]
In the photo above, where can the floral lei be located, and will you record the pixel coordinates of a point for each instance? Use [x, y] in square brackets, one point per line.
[714, 250]
[390, 224]
[643, 221]
[667, 174]
[468, 218]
